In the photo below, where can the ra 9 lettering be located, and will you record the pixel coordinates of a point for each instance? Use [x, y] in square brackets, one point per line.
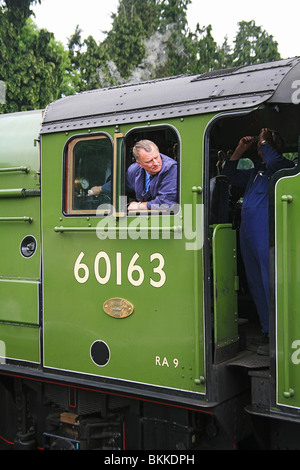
[135, 272]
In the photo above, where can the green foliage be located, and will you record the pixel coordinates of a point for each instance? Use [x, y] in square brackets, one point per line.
[17, 11]
[173, 12]
[253, 45]
[149, 39]
[32, 63]
[125, 42]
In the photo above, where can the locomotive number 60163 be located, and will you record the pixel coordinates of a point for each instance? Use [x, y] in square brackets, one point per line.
[135, 273]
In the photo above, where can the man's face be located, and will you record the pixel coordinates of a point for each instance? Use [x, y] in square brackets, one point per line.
[150, 161]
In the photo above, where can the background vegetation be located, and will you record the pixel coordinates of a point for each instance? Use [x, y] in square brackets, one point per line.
[37, 69]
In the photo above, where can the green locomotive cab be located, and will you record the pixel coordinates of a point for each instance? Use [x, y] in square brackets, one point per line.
[143, 316]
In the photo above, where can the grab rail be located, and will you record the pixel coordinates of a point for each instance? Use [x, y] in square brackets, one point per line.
[16, 219]
[26, 169]
[199, 379]
[19, 192]
[174, 229]
[289, 392]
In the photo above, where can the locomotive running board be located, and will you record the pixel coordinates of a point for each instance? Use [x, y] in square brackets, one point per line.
[250, 360]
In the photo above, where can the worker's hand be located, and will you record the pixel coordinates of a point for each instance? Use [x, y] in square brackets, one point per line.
[243, 145]
[265, 134]
[94, 191]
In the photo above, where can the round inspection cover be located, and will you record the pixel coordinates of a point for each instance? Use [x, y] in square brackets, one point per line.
[28, 246]
[100, 353]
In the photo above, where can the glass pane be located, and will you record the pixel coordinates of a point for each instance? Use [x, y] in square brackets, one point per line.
[89, 165]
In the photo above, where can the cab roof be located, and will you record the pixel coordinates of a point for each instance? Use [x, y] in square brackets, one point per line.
[216, 91]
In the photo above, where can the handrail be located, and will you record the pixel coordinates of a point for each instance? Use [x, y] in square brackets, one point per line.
[199, 379]
[16, 219]
[19, 192]
[62, 229]
[286, 199]
[26, 169]
[7, 193]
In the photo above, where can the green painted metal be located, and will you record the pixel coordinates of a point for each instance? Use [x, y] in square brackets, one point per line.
[162, 342]
[287, 291]
[167, 338]
[19, 342]
[20, 277]
[224, 285]
[19, 301]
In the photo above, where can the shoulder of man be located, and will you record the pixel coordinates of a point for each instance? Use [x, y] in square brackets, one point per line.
[167, 161]
[133, 168]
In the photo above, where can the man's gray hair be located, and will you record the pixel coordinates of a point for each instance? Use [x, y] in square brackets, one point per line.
[146, 145]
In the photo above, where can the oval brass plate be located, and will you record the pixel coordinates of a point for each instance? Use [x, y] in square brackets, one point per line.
[118, 307]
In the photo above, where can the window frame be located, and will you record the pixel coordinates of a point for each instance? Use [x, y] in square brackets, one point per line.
[151, 130]
[68, 176]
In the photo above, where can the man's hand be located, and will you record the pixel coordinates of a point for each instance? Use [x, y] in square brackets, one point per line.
[94, 191]
[243, 145]
[266, 135]
[136, 206]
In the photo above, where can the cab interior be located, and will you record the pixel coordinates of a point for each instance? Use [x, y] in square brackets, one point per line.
[225, 201]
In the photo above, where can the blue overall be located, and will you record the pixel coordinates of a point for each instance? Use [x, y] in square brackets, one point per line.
[254, 231]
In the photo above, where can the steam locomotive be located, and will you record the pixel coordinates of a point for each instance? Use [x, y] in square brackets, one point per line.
[124, 330]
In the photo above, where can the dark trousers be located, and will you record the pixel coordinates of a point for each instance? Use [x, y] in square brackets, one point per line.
[254, 241]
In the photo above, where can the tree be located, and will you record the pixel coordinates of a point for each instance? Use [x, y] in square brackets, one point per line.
[203, 51]
[32, 63]
[125, 41]
[149, 39]
[148, 11]
[174, 12]
[174, 27]
[75, 45]
[224, 55]
[253, 45]
[152, 44]
[91, 63]
[17, 11]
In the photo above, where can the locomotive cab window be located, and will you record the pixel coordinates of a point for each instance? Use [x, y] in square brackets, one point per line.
[151, 170]
[88, 166]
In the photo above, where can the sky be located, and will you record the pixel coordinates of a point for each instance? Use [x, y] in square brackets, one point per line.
[94, 18]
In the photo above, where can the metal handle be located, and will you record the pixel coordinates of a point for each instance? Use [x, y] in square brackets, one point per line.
[199, 379]
[19, 192]
[16, 219]
[15, 168]
[117, 229]
[286, 199]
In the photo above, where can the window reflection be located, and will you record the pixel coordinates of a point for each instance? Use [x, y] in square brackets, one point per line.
[88, 164]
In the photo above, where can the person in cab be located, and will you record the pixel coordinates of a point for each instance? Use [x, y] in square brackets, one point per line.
[152, 179]
[254, 230]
